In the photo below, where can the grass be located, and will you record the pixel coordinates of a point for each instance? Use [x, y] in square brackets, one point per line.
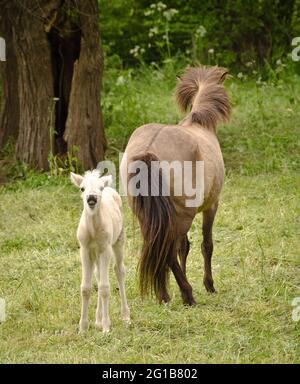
[256, 261]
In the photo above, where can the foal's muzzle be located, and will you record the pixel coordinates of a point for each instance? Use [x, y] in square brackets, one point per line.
[91, 200]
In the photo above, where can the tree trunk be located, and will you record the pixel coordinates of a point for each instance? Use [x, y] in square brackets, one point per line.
[84, 123]
[9, 112]
[35, 88]
[49, 106]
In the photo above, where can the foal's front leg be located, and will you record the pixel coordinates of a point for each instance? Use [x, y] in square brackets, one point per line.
[120, 274]
[86, 287]
[103, 290]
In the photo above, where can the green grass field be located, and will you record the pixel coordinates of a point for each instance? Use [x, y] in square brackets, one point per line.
[256, 262]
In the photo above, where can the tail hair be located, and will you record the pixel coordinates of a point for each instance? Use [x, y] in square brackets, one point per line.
[201, 89]
[156, 215]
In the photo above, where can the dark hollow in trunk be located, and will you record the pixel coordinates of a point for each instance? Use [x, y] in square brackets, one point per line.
[64, 42]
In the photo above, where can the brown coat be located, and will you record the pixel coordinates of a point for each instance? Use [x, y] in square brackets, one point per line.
[193, 139]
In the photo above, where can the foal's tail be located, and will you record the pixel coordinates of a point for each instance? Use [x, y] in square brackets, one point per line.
[156, 215]
[201, 89]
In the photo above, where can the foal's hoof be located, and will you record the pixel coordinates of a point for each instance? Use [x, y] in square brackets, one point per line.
[105, 330]
[127, 322]
[98, 324]
[126, 319]
[83, 326]
[125, 314]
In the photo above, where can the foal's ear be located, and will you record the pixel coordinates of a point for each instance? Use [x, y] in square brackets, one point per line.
[76, 179]
[107, 180]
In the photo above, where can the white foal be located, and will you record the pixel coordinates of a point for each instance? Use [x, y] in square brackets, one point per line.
[100, 234]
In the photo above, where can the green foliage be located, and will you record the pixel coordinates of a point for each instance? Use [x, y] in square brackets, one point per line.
[64, 165]
[262, 136]
[230, 33]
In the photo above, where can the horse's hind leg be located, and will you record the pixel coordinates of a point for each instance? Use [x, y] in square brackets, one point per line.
[184, 285]
[207, 246]
[163, 294]
[183, 252]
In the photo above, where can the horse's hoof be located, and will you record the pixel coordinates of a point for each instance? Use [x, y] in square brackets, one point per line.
[212, 290]
[189, 301]
[209, 286]
[164, 299]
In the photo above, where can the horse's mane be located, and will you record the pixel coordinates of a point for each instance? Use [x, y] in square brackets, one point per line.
[94, 172]
[201, 89]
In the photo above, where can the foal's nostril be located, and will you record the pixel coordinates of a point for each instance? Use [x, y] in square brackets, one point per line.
[91, 199]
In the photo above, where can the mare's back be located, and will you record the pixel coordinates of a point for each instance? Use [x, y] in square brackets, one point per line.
[167, 142]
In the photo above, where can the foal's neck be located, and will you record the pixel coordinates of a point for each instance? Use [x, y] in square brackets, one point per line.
[94, 221]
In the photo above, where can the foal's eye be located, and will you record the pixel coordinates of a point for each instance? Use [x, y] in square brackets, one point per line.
[82, 189]
[101, 188]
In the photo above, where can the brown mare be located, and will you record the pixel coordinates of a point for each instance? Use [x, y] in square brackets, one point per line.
[166, 220]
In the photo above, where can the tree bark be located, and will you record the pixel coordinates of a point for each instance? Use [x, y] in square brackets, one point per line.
[9, 112]
[57, 54]
[84, 123]
[35, 87]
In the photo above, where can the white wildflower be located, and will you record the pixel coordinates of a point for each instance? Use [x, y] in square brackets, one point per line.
[153, 31]
[120, 80]
[170, 13]
[148, 12]
[137, 51]
[160, 6]
[201, 31]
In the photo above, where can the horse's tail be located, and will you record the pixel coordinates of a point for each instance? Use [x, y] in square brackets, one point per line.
[201, 89]
[156, 215]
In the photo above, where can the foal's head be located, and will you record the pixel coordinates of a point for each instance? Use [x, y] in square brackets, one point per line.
[91, 186]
